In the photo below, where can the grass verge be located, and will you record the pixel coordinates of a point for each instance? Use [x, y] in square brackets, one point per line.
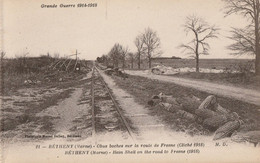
[248, 80]
[143, 89]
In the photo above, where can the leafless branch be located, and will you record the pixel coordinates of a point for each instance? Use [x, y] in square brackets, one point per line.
[151, 44]
[202, 32]
[244, 42]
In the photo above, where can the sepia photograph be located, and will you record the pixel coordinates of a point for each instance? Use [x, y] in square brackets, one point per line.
[130, 81]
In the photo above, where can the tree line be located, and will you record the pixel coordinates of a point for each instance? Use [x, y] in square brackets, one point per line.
[147, 45]
[246, 40]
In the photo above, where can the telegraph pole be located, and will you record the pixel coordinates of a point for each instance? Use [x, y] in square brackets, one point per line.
[76, 54]
[76, 59]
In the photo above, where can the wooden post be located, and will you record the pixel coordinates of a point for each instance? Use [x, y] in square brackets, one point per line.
[76, 54]
[76, 59]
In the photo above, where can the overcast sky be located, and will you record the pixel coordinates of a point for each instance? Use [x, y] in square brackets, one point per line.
[93, 31]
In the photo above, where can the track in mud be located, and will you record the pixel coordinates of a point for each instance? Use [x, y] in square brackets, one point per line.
[106, 113]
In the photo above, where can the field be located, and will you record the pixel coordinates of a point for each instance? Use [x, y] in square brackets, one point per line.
[204, 63]
[30, 85]
[37, 71]
[237, 72]
[244, 76]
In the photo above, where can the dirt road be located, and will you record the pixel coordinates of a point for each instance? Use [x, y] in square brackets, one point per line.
[242, 94]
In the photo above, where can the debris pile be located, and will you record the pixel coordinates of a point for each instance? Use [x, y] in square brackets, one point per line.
[27, 82]
[161, 69]
[115, 72]
[207, 113]
[59, 70]
[52, 76]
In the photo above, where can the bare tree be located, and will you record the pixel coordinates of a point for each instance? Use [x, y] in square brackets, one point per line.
[131, 58]
[124, 51]
[247, 40]
[2, 56]
[106, 59]
[152, 44]
[139, 43]
[1, 63]
[115, 54]
[202, 32]
[244, 42]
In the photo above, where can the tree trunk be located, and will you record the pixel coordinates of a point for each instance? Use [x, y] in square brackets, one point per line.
[197, 64]
[150, 63]
[123, 64]
[149, 59]
[257, 65]
[139, 60]
[116, 63]
[257, 38]
[197, 54]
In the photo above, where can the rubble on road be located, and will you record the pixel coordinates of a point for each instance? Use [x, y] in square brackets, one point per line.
[115, 72]
[168, 99]
[207, 113]
[31, 82]
[52, 76]
[161, 69]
